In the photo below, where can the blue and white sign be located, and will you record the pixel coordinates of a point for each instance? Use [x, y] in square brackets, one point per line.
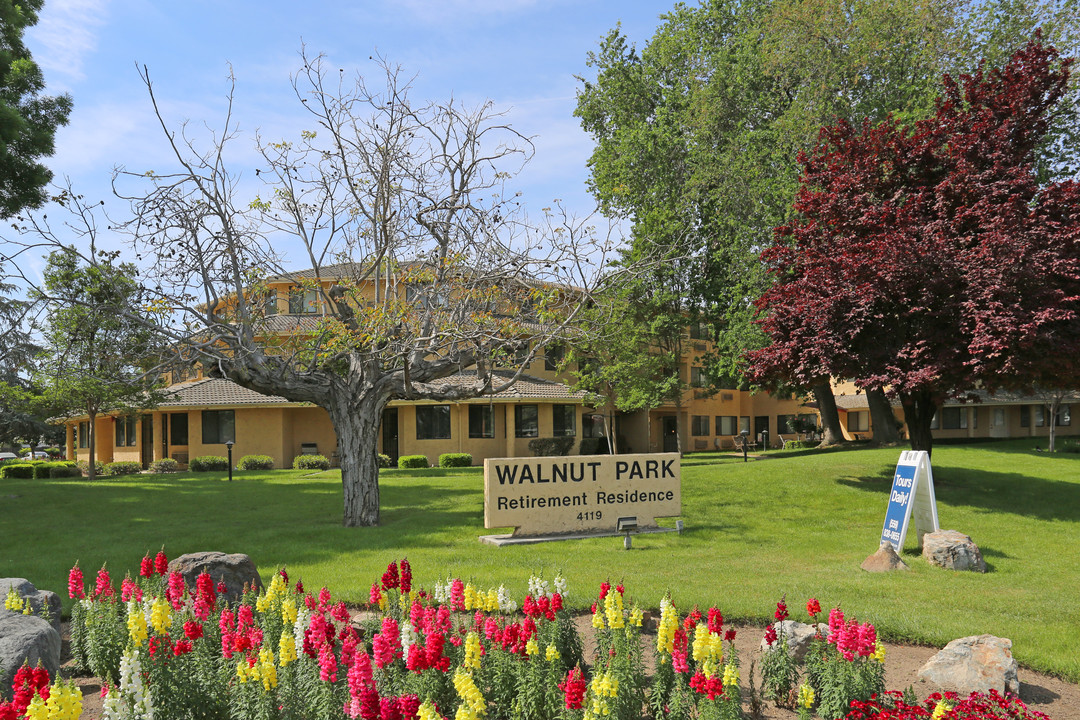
[912, 495]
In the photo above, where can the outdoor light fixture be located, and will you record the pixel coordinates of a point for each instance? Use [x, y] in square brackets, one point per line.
[745, 439]
[626, 525]
[228, 445]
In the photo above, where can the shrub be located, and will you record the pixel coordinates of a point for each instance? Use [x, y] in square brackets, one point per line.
[208, 463]
[595, 446]
[124, 467]
[44, 470]
[383, 461]
[310, 462]
[450, 460]
[21, 471]
[801, 444]
[164, 465]
[541, 447]
[64, 469]
[255, 462]
[84, 467]
[412, 461]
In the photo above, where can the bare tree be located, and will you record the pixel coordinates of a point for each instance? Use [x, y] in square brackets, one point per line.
[438, 274]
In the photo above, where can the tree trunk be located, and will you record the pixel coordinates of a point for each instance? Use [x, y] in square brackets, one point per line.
[357, 420]
[830, 416]
[678, 423]
[919, 410]
[91, 427]
[1053, 407]
[882, 419]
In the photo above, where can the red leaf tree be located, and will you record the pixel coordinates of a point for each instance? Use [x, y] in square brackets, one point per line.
[929, 261]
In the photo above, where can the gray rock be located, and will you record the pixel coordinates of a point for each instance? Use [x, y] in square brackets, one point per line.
[39, 599]
[26, 638]
[952, 550]
[235, 570]
[884, 560]
[979, 663]
[798, 637]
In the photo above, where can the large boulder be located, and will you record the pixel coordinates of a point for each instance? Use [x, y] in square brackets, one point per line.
[979, 663]
[235, 570]
[26, 639]
[884, 560]
[43, 603]
[952, 550]
[798, 637]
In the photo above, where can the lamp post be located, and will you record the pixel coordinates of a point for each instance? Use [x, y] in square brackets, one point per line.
[745, 439]
[228, 445]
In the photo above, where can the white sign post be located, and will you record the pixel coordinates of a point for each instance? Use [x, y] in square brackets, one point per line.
[912, 495]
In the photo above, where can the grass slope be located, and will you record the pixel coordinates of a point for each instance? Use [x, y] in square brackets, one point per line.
[796, 523]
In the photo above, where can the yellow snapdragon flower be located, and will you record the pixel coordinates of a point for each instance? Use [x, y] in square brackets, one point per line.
[598, 620]
[879, 652]
[470, 695]
[551, 654]
[613, 609]
[136, 623]
[472, 651]
[940, 709]
[288, 611]
[806, 696]
[731, 675]
[636, 616]
[65, 702]
[286, 649]
[531, 647]
[267, 669]
[37, 710]
[161, 616]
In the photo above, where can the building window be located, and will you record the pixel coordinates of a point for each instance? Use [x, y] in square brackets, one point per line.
[1064, 416]
[858, 421]
[218, 427]
[954, 418]
[744, 425]
[270, 303]
[699, 425]
[786, 424]
[433, 422]
[1040, 416]
[125, 431]
[1025, 416]
[84, 434]
[481, 421]
[563, 420]
[526, 421]
[303, 301]
[178, 424]
[727, 425]
[592, 425]
[553, 357]
[698, 377]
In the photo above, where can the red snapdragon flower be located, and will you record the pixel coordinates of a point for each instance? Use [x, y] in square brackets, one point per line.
[770, 635]
[406, 577]
[161, 563]
[781, 613]
[75, 583]
[813, 607]
[146, 566]
[390, 579]
[573, 688]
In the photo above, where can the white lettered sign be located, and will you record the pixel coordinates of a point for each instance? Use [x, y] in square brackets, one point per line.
[580, 493]
[912, 495]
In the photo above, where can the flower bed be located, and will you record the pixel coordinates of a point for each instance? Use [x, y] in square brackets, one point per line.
[166, 651]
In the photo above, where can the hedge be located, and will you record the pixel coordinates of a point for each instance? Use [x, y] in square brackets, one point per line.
[164, 465]
[255, 462]
[310, 462]
[21, 471]
[124, 467]
[412, 461]
[84, 467]
[383, 461]
[208, 463]
[541, 447]
[451, 460]
[55, 469]
[801, 444]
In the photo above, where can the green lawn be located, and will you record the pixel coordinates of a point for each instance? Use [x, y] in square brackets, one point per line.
[798, 523]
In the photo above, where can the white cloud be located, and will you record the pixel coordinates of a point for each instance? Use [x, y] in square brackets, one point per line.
[66, 33]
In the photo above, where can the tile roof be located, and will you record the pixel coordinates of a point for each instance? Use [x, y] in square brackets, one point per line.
[527, 386]
[215, 391]
[218, 391]
[858, 401]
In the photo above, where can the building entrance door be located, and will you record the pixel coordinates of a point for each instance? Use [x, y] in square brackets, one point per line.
[390, 434]
[670, 428]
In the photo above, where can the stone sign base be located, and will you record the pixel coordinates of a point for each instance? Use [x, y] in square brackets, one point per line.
[500, 540]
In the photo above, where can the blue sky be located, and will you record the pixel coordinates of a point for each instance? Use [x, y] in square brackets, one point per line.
[521, 54]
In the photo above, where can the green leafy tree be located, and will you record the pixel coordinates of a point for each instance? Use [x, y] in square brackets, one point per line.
[96, 348]
[697, 134]
[28, 118]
